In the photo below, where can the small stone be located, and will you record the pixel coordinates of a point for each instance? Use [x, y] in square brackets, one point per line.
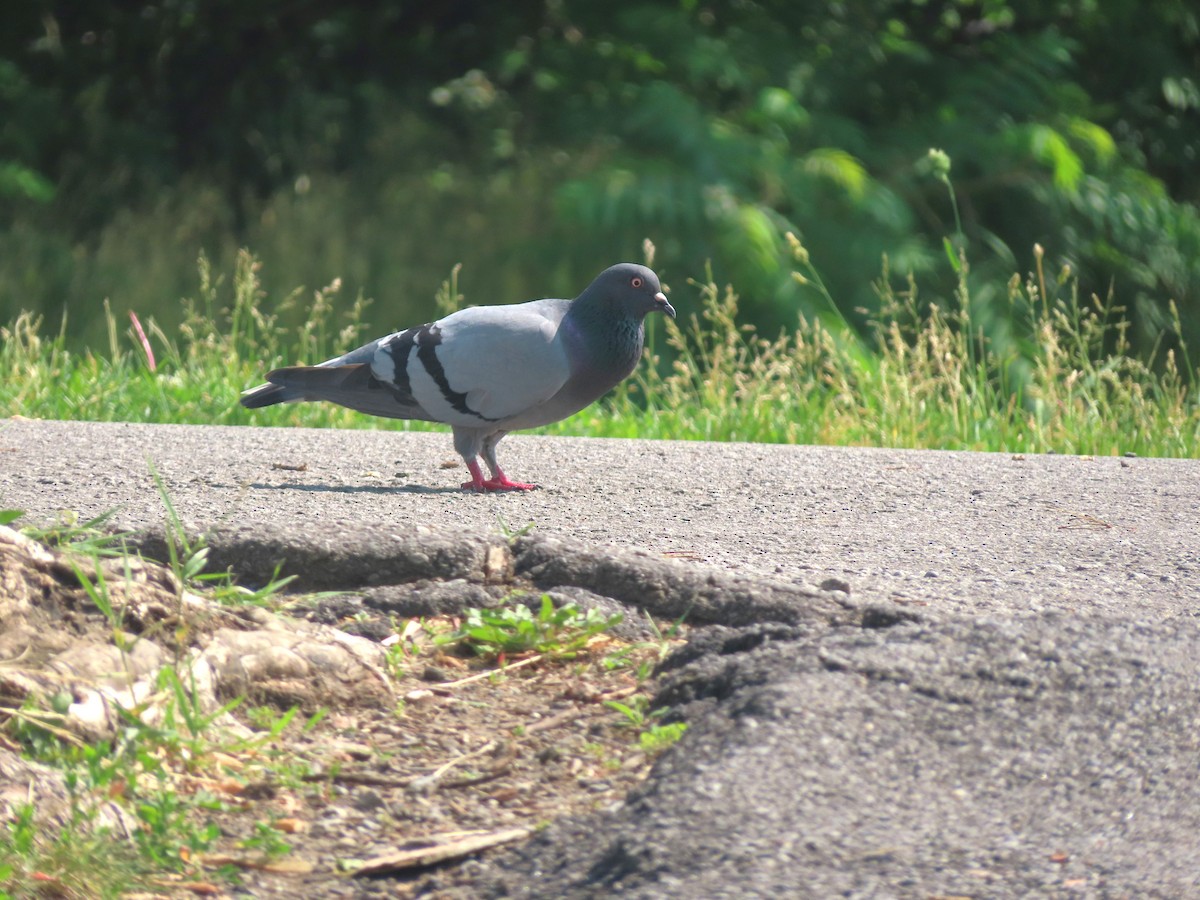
[835, 584]
[367, 800]
[259, 790]
[360, 752]
[422, 785]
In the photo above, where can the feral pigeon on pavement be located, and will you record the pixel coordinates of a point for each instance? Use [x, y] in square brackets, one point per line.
[489, 370]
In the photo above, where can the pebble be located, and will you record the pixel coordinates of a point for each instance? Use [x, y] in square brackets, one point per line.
[367, 800]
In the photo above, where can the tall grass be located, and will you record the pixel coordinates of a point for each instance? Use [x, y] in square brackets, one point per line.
[924, 375]
[932, 381]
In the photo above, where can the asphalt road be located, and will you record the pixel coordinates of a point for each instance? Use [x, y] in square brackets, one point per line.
[952, 531]
[1029, 725]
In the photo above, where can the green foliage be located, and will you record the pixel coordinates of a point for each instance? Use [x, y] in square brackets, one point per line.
[653, 738]
[78, 861]
[16, 180]
[513, 629]
[537, 142]
[1053, 372]
[86, 538]
[934, 380]
[635, 654]
[657, 738]
[267, 840]
[133, 769]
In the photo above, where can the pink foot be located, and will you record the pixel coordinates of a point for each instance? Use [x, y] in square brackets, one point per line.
[502, 483]
[499, 482]
[476, 483]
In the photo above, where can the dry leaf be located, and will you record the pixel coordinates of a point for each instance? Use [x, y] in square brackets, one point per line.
[440, 852]
[290, 866]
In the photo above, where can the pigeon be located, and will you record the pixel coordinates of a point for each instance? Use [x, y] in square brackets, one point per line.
[489, 370]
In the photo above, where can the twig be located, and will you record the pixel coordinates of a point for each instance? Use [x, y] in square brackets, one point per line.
[441, 770]
[440, 853]
[498, 772]
[567, 714]
[384, 781]
[61, 733]
[490, 672]
[359, 778]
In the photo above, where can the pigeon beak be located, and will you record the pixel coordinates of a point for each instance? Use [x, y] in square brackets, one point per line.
[661, 299]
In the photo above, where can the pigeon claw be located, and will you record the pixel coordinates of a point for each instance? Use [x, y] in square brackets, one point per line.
[498, 482]
[502, 483]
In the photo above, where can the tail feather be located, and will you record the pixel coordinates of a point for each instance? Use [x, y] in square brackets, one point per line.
[266, 395]
[353, 386]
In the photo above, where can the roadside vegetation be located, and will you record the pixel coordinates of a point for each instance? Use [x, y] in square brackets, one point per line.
[538, 142]
[754, 143]
[925, 374]
[186, 799]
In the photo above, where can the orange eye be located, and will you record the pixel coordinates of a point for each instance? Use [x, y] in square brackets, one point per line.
[636, 282]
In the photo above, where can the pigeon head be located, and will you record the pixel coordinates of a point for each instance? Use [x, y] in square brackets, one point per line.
[629, 289]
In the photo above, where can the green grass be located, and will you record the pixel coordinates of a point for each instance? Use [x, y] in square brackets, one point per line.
[1059, 376]
[509, 630]
[163, 742]
[144, 770]
[653, 737]
[161, 766]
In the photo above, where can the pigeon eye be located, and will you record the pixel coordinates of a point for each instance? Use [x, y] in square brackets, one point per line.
[636, 281]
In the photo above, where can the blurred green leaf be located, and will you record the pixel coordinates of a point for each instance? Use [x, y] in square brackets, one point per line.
[19, 181]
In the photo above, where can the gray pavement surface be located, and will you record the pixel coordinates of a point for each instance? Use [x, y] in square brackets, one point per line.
[1027, 723]
[968, 759]
[943, 530]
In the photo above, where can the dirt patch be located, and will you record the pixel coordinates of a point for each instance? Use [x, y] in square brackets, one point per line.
[408, 757]
[507, 752]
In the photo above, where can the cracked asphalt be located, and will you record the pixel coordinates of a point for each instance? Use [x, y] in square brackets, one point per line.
[1030, 726]
[951, 531]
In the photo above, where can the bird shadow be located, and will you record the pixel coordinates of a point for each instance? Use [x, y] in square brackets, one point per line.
[353, 488]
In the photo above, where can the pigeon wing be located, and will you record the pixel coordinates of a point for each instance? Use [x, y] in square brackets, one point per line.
[481, 365]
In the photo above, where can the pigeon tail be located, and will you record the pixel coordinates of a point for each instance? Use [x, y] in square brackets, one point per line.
[353, 386]
[267, 395]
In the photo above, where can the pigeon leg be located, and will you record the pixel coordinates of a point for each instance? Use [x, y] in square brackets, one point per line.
[476, 483]
[499, 481]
